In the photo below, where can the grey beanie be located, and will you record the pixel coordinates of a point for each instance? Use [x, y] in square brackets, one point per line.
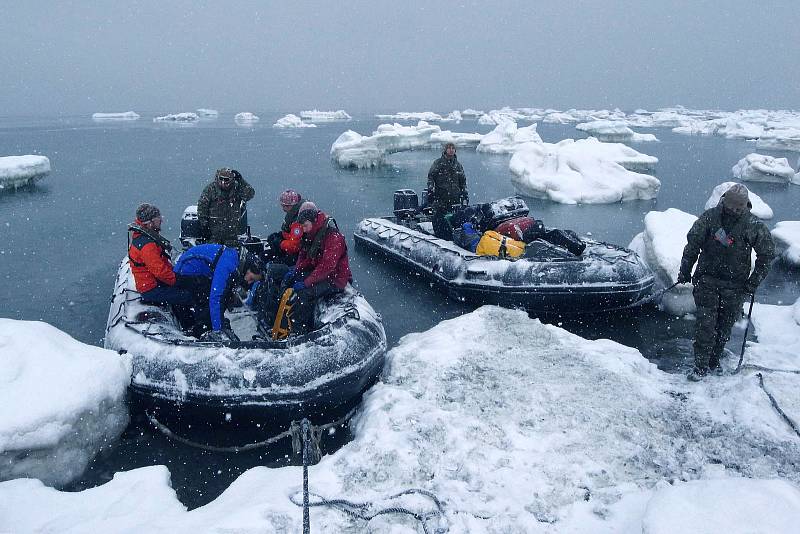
[147, 212]
[736, 198]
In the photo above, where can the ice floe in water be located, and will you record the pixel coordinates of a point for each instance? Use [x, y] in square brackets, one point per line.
[246, 118]
[18, 171]
[427, 116]
[584, 171]
[124, 116]
[292, 121]
[614, 131]
[507, 138]
[760, 168]
[515, 426]
[208, 113]
[178, 117]
[787, 240]
[60, 402]
[760, 208]
[323, 116]
[661, 245]
[352, 149]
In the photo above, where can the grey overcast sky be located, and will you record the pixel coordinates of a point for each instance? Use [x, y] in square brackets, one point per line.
[373, 55]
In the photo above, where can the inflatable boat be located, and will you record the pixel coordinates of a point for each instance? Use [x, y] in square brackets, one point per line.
[258, 385]
[548, 279]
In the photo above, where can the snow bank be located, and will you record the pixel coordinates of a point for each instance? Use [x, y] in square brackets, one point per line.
[759, 168]
[60, 402]
[760, 208]
[661, 245]
[292, 121]
[322, 116]
[178, 117]
[584, 171]
[208, 113]
[352, 149]
[614, 131]
[486, 412]
[126, 116]
[17, 171]
[787, 239]
[245, 118]
[507, 138]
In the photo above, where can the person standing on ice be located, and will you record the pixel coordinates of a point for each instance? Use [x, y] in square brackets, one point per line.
[723, 237]
[151, 265]
[221, 206]
[447, 186]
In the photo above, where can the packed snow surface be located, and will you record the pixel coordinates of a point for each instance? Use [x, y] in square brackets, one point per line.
[178, 117]
[322, 116]
[245, 117]
[661, 245]
[760, 208]
[787, 239]
[614, 131]
[208, 113]
[60, 402]
[584, 171]
[515, 426]
[125, 116]
[16, 171]
[292, 121]
[352, 149]
[760, 168]
[507, 138]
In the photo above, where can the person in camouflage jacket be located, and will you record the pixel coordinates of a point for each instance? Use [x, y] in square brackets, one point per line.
[447, 186]
[723, 238]
[221, 206]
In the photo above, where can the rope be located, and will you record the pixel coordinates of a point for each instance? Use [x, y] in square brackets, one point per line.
[746, 328]
[775, 405]
[306, 429]
[294, 432]
[769, 369]
[366, 511]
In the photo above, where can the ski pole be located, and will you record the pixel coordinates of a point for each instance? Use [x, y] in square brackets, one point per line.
[746, 328]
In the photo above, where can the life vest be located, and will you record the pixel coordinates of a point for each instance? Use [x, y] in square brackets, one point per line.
[494, 244]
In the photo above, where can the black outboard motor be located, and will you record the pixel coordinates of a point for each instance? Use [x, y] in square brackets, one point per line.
[406, 203]
[191, 233]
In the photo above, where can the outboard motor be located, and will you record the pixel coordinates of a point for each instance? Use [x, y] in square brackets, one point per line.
[406, 203]
[191, 233]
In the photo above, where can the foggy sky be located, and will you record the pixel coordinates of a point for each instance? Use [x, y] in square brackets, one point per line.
[366, 56]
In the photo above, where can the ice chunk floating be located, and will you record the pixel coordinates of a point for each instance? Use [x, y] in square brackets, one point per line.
[187, 117]
[18, 171]
[245, 118]
[125, 116]
[760, 208]
[292, 121]
[324, 116]
[60, 402]
[760, 168]
[508, 138]
[787, 239]
[614, 131]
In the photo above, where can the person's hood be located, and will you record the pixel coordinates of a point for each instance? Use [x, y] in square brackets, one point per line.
[444, 155]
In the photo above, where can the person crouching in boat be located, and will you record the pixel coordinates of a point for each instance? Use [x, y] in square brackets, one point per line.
[211, 271]
[283, 246]
[322, 267]
[151, 266]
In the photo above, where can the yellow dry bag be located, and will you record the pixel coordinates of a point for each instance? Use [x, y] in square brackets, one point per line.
[494, 244]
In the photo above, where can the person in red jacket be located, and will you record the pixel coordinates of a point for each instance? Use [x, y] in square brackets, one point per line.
[151, 266]
[322, 266]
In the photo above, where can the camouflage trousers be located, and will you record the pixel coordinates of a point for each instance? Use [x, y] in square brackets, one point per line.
[718, 308]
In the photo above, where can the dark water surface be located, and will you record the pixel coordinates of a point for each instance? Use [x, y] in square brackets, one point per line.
[61, 241]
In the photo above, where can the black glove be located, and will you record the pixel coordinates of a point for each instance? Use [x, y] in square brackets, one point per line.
[684, 278]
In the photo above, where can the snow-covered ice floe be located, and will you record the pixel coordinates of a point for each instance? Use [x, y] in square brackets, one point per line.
[292, 121]
[208, 113]
[515, 426]
[427, 116]
[18, 171]
[661, 245]
[187, 117]
[246, 118]
[760, 168]
[780, 139]
[125, 116]
[324, 116]
[614, 131]
[760, 208]
[60, 402]
[786, 235]
[584, 171]
[507, 138]
[352, 149]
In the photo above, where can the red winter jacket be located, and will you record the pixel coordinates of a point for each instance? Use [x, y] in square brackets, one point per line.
[149, 263]
[331, 263]
[291, 239]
